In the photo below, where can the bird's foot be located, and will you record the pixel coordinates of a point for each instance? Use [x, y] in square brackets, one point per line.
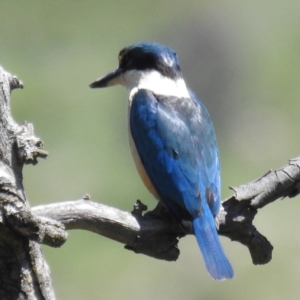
[160, 211]
[139, 208]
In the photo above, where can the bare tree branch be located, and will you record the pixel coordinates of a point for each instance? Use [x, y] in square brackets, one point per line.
[157, 236]
[284, 182]
[154, 236]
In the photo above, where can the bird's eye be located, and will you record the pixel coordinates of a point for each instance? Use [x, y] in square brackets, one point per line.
[124, 61]
[121, 56]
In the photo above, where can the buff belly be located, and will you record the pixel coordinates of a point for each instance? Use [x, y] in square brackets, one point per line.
[139, 166]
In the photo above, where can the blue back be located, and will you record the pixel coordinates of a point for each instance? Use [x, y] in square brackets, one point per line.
[177, 146]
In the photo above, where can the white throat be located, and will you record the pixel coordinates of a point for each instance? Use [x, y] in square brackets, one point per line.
[155, 82]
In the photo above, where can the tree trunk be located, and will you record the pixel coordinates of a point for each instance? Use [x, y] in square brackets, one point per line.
[24, 273]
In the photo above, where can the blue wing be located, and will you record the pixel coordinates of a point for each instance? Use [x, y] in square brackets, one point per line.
[177, 147]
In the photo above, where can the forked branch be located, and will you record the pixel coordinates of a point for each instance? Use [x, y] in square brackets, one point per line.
[157, 236]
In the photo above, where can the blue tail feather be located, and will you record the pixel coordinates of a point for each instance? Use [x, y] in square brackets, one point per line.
[214, 257]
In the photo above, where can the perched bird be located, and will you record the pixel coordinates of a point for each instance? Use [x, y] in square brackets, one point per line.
[173, 143]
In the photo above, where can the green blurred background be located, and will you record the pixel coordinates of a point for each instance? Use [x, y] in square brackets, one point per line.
[241, 58]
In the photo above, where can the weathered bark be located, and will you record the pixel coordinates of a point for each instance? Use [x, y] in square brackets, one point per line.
[24, 273]
[157, 236]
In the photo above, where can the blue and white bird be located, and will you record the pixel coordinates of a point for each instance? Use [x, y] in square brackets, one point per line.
[173, 143]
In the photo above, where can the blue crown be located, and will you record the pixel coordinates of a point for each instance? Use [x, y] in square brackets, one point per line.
[150, 56]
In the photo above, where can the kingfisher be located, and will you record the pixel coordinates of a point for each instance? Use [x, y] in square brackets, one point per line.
[173, 144]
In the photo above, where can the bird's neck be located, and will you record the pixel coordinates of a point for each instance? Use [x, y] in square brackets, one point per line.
[155, 82]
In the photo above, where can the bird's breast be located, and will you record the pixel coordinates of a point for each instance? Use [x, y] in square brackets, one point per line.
[138, 163]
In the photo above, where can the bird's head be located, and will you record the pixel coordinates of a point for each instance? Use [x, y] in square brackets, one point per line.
[145, 65]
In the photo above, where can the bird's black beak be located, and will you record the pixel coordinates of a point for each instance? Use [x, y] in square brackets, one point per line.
[110, 79]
